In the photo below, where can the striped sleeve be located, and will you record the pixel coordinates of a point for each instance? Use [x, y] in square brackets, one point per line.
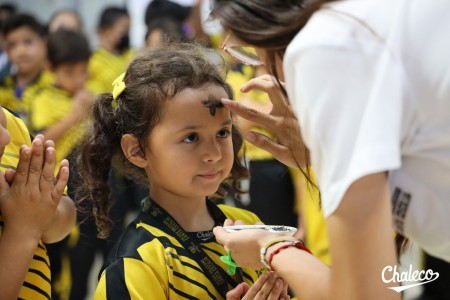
[37, 281]
[129, 278]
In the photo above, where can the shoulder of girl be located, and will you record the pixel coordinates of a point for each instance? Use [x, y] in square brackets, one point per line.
[235, 213]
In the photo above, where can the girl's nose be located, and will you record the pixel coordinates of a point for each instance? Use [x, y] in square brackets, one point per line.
[212, 152]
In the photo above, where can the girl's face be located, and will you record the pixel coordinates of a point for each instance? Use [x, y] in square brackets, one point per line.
[190, 151]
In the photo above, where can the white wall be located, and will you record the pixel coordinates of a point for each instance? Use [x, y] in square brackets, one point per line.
[89, 10]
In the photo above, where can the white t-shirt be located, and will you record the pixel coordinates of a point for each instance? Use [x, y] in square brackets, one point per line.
[372, 94]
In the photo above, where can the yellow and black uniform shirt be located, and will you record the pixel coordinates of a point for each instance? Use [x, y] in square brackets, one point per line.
[50, 106]
[18, 99]
[104, 67]
[37, 281]
[151, 263]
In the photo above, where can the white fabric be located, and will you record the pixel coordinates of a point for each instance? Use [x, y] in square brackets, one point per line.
[370, 83]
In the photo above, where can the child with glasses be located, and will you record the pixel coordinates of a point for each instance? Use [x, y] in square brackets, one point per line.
[164, 124]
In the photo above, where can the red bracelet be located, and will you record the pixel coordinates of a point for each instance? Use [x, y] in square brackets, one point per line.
[296, 244]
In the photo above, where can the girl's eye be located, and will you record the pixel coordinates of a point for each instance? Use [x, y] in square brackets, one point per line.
[223, 133]
[191, 138]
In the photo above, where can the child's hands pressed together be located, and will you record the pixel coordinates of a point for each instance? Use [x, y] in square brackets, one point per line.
[30, 195]
[267, 286]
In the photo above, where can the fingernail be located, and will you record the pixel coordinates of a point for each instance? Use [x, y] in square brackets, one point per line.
[39, 136]
[250, 136]
[226, 101]
[243, 87]
[37, 142]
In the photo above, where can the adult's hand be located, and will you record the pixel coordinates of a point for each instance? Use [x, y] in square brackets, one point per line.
[288, 146]
[267, 286]
[245, 245]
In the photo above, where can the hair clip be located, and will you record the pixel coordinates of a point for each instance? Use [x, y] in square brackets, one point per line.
[118, 86]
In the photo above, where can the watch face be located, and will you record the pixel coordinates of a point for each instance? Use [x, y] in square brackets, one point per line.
[271, 228]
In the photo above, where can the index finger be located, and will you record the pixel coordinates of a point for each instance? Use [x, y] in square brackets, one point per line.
[250, 114]
[220, 233]
[37, 161]
[23, 166]
[269, 85]
[48, 170]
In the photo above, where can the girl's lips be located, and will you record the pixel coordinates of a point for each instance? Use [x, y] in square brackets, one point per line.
[210, 175]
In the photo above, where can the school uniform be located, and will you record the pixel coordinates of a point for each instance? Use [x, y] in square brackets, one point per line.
[156, 259]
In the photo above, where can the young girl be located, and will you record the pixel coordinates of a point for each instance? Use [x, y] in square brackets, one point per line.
[164, 121]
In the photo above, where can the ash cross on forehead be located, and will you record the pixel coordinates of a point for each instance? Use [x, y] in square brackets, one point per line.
[212, 104]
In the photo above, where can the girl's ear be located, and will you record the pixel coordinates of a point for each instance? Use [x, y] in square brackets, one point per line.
[132, 150]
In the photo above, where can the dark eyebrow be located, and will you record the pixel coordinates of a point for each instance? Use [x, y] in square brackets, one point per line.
[212, 103]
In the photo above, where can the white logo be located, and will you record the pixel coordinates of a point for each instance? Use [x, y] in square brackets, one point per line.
[390, 274]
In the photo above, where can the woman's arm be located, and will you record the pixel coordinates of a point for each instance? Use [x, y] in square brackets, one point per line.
[361, 244]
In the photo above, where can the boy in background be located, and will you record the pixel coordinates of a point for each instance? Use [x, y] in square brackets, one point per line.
[58, 111]
[69, 100]
[25, 44]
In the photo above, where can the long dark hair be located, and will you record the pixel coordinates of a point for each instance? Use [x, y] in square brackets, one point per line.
[151, 79]
[270, 25]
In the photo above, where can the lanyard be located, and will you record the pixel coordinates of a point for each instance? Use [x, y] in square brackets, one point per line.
[161, 219]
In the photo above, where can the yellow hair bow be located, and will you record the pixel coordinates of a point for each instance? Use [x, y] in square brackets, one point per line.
[118, 86]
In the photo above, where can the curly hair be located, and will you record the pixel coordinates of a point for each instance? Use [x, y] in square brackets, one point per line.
[151, 79]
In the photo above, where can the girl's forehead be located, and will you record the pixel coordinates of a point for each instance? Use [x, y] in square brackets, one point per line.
[197, 105]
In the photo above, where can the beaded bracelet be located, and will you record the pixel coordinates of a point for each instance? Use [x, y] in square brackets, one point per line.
[297, 244]
[263, 251]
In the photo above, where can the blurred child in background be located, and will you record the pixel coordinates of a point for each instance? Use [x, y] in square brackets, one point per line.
[58, 111]
[25, 43]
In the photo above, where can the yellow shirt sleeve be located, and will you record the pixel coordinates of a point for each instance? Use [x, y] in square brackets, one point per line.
[129, 278]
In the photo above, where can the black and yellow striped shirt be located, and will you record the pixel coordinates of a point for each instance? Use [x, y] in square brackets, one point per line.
[151, 264]
[37, 281]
